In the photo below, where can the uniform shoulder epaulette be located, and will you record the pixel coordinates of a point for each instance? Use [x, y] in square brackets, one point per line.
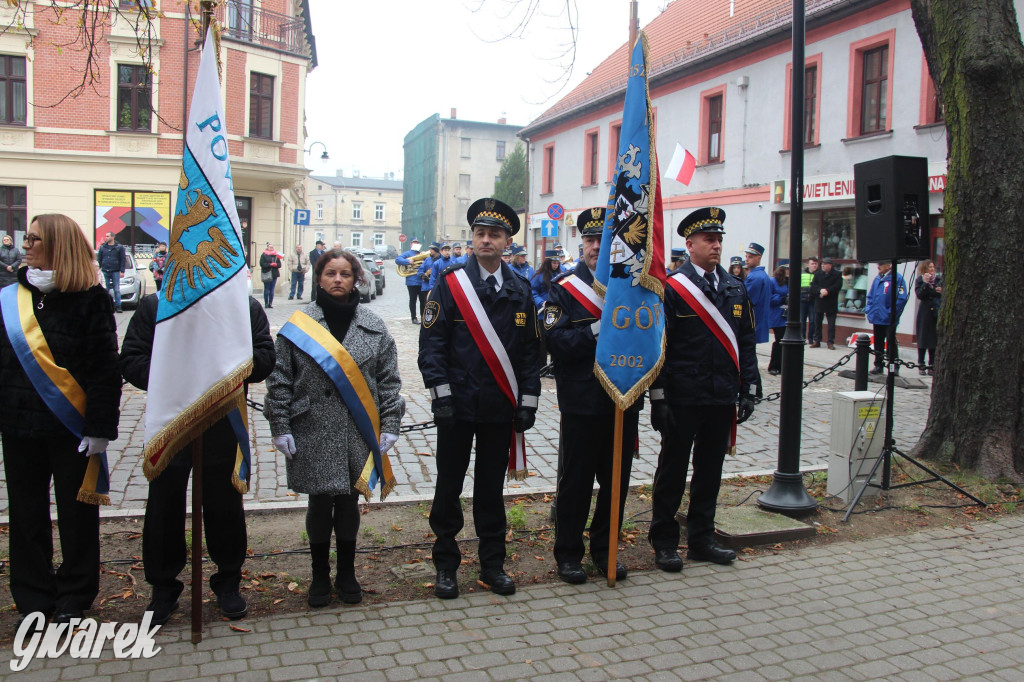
[562, 275]
[452, 268]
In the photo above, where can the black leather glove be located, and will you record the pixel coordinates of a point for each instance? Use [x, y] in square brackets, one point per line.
[525, 417]
[746, 409]
[444, 411]
[661, 417]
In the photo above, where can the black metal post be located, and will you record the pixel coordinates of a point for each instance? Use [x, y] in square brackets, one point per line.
[787, 493]
[860, 381]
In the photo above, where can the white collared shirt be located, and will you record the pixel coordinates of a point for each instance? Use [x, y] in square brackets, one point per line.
[497, 275]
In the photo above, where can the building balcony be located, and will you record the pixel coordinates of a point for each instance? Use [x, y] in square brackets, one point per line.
[247, 24]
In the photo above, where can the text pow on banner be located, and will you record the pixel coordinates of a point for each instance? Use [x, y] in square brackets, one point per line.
[631, 266]
[202, 347]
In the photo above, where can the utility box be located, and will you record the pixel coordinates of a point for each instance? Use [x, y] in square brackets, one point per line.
[858, 435]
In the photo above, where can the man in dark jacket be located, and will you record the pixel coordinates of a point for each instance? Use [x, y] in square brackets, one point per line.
[572, 323]
[470, 300]
[807, 301]
[825, 287]
[111, 260]
[318, 250]
[163, 536]
[707, 371]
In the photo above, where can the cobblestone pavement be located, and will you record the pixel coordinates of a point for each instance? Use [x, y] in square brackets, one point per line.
[412, 459]
[940, 605]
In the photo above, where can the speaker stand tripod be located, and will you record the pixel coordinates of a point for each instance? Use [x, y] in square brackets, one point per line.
[889, 448]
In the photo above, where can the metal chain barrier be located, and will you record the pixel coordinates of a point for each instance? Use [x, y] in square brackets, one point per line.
[421, 426]
[817, 377]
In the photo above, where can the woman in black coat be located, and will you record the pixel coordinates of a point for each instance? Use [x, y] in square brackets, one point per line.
[76, 318]
[270, 270]
[928, 289]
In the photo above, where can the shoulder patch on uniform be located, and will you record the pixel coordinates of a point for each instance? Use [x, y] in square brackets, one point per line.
[430, 313]
[452, 268]
[552, 313]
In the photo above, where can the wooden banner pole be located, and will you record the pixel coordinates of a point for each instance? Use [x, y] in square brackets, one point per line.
[613, 528]
[197, 539]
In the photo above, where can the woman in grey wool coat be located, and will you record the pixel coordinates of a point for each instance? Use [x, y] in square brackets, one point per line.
[311, 425]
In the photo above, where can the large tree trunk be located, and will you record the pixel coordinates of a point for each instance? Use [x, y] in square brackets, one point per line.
[976, 58]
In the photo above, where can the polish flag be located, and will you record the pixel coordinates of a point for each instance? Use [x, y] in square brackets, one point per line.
[682, 165]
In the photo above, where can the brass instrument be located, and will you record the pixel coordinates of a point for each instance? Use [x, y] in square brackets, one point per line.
[410, 270]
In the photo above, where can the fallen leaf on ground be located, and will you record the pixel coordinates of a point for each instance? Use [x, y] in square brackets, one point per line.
[239, 628]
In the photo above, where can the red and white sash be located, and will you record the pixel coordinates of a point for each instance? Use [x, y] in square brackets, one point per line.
[712, 318]
[584, 294]
[495, 355]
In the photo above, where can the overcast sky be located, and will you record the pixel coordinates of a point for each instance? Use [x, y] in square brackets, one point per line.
[386, 65]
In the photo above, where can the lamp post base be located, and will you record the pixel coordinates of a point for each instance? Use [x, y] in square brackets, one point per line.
[787, 495]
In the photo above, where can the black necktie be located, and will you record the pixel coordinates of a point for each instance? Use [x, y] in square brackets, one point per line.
[711, 282]
[492, 285]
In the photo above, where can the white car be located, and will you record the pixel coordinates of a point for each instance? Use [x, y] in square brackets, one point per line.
[133, 284]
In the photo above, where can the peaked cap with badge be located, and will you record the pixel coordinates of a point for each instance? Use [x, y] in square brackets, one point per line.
[710, 219]
[493, 213]
[590, 222]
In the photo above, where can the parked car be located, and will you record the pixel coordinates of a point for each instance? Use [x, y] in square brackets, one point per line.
[374, 264]
[133, 284]
[386, 252]
[366, 289]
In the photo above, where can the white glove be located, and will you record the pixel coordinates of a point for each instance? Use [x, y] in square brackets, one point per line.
[387, 441]
[286, 444]
[93, 446]
[595, 328]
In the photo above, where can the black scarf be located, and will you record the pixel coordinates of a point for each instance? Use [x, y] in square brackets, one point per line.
[337, 312]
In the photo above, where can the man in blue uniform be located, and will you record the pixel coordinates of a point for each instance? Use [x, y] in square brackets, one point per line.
[879, 311]
[457, 252]
[710, 365]
[519, 264]
[572, 322]
[678, 258]
[479, 346]
[441, 264]
[424, 273]
[412, 282]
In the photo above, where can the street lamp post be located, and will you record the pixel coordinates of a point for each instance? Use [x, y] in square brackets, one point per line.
[323, 157]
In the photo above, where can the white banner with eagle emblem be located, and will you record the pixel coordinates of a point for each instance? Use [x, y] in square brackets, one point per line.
[202, 349]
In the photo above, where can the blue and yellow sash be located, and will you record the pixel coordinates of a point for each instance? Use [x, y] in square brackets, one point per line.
[53, 383]
[316, 342]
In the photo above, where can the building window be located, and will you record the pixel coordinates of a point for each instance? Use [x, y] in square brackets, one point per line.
[134, 89]
[357, 211]
[810, 104]
[12, 90]
[378, 239]
[713, 136]
[261, 106]
[378, 211]
[13, 213]
[240, 14]
[932, 110]
[874, 90]
[466, 147]
[357, 239]
[547, 183]
[499, 154]
[614, 137]
[591, 154]
[464, 179]
[319, 210]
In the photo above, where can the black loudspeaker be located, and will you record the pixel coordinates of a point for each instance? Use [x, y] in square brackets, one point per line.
[892, 209]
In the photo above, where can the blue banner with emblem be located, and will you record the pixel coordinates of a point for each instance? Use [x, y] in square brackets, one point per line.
[630, 268]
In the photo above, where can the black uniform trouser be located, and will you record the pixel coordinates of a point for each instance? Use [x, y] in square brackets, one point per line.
[164, 553]
[414, 298]
[775, 361]
[423, 299]
[705, 429]
[819, 314]
[29, 464]
[588, 442]
[492, 450]
[881, 332]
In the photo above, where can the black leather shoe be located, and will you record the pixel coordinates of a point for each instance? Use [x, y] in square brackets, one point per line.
[65, 615]
[232, 605]
[601, 562]
[710, 551]
[876, 370]
[668, 560]
[497, 581]
[446, 587]
[162, 610]
[571, 572]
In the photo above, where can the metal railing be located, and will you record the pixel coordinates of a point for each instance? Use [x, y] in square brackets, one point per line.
[264, 28]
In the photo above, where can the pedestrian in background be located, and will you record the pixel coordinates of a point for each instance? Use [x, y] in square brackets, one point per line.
[759, 290]
[777, 311]
[55, 426]
[314, 256]
[424, 272]
[825, 286]
[112, 261]
[10, 261]
[270, 270]
[928, 289]
[519, 264]
[315, 408]
[412, 282]
[164, 552]
[440, 264]
[880, 314]
[540, 284]
[156, 266]
[807, 299]
[298, 266]
[736, 268]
